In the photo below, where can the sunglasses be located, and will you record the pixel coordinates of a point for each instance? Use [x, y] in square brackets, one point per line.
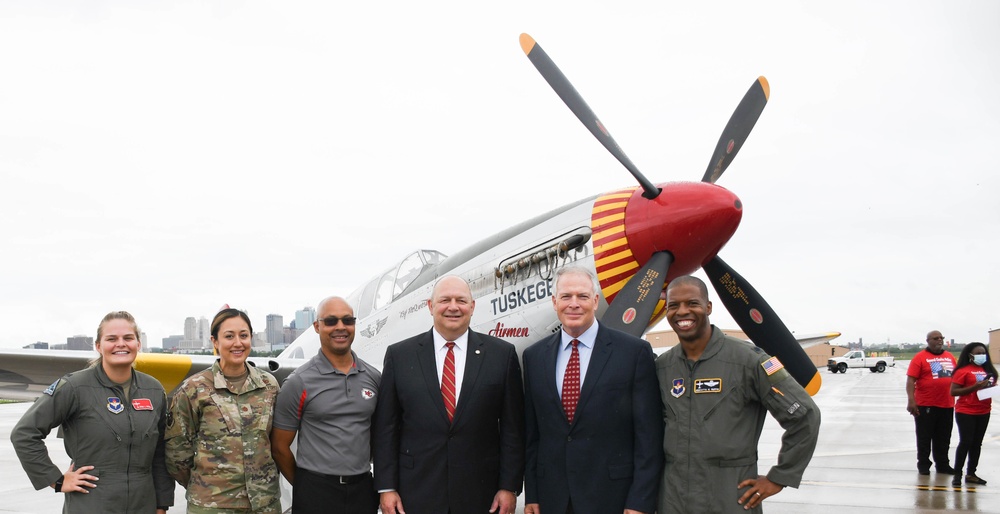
[331, 321]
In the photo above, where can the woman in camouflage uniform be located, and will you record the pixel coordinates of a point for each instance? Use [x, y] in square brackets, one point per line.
[218, 428]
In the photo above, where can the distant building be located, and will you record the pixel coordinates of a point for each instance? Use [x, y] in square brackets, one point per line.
[143, 342]
[37, 346]
[172, 342]
[304, 319]
[204, 332]
[260, 342]
[80, 343]
[275, 332]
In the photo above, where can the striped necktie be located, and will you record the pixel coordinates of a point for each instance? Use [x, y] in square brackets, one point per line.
[448, 381]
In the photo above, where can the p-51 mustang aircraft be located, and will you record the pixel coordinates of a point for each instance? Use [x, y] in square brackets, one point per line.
[635, 239]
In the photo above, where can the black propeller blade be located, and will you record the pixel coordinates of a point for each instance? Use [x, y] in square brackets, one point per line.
[739, 127]
[575, 102]
[633, 306]
[761, 324]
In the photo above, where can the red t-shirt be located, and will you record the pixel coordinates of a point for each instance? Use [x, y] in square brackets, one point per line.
[970, 403]
[933, 374]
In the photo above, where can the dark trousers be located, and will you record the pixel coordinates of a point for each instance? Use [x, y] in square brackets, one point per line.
[933, 433]
[971, 430]
[315, 493]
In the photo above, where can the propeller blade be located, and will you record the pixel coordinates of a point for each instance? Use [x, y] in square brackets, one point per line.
[739, 127]
[634, 304]
[575, 102]
[761, 324]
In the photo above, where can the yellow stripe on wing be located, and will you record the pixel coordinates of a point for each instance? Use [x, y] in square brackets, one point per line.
[169, 369]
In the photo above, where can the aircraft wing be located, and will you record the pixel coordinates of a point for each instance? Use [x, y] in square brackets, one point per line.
[24, 374]
[814, 339]
[805, 340]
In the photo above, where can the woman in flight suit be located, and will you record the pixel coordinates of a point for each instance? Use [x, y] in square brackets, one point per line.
[113, 419]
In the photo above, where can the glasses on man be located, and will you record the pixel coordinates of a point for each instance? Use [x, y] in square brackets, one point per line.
[331, 321]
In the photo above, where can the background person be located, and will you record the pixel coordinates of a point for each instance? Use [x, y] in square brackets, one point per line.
[974, 371]
[329, 402]
[716, 392]
[592, 412]
[217, 438]
[929, 401]
[449, 431]
[113, 419]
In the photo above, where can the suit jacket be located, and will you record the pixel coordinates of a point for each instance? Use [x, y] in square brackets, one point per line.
[610, 458]
[439, 467]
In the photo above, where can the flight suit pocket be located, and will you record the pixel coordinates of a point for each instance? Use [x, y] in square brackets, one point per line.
[229, 413]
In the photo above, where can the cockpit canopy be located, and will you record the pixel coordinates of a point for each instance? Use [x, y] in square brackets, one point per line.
[385, 287]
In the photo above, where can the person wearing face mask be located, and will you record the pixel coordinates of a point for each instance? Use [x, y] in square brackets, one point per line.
[929, 401]
[218, 428]
[974, 371]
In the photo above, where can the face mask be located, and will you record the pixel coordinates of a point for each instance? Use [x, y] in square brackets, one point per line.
[979, 359]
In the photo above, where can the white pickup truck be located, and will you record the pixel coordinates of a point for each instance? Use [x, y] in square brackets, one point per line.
[857, 359]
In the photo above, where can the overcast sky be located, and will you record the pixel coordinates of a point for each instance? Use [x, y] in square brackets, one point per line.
[168, 157]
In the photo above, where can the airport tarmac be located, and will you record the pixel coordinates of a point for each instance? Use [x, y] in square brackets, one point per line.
[865, 461]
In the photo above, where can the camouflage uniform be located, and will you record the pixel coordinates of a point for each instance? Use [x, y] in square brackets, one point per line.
[218, 444]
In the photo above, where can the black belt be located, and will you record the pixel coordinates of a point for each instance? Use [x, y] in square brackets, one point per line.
[344, 479]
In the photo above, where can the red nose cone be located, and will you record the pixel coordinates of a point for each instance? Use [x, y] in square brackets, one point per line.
[691, 220]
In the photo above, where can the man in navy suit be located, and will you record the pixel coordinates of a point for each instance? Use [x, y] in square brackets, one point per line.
[594, 427]
[449, 424]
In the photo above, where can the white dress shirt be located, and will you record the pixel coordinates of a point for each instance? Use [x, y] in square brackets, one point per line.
[586, 348]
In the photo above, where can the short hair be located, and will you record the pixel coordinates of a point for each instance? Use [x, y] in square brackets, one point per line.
[689, 280]
[577, 270]
[446, 277]
[228, 313]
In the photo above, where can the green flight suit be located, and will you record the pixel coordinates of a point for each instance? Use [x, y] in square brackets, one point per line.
[714, 410]
[121, 437]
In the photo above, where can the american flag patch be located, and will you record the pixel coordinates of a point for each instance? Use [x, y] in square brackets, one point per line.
[772, 366]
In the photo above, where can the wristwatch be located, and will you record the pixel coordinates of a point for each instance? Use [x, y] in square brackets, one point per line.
[59, 484]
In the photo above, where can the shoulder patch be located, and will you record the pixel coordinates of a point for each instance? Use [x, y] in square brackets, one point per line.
[52, 388]
[772, 366]
[775, 370]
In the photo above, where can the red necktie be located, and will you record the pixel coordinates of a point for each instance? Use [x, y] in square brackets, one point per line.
[571, 383]
[448, 381]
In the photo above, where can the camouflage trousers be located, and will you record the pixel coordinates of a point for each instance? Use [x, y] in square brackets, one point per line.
[273, 508]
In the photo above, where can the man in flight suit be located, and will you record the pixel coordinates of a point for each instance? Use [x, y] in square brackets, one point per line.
[716, 391]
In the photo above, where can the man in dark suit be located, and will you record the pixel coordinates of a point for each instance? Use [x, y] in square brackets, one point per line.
[449, 424]
[592, 412]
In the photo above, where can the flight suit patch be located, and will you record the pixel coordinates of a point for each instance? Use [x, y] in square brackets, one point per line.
[142, 404]
[677, 388]
[52, 388]
[775, 370]
[115, 405]
[708, 385]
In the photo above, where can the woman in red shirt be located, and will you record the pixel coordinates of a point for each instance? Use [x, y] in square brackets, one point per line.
[973, 372]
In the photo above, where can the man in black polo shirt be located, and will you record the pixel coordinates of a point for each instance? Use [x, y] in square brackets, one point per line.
[329, 402]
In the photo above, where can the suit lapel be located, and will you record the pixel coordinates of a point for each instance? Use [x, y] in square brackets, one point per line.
[552, 349]
[428, 365]
[474, 352]
[598, 359]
